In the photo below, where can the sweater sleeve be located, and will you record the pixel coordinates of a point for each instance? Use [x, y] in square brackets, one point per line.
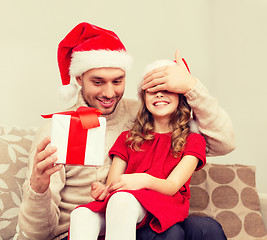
[39, 213]
[213, 122]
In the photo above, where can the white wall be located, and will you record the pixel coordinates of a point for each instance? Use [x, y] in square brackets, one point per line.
[239, 54]
[224, 43]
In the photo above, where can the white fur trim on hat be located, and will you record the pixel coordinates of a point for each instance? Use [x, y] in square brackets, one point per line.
[158, 64]
[69, 91]
[86, 60]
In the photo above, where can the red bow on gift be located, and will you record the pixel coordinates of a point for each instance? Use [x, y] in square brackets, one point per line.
[87, 115]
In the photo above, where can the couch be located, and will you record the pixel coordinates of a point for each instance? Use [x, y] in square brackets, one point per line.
[224, 192]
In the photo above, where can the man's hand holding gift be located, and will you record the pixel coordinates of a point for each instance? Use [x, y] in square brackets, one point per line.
[77, 137]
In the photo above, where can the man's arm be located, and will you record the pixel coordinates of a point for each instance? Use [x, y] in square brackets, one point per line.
[39, 212]
[213, 122]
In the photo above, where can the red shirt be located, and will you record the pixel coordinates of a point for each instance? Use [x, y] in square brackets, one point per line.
[157, 160]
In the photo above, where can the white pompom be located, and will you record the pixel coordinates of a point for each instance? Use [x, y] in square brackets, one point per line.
[67, 92]
[193, 126]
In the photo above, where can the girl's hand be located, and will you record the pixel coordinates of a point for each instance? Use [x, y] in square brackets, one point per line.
[134, 181]
[99, 191]
[173, 78]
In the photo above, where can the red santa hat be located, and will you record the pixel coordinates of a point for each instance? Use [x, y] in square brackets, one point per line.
[86, 47]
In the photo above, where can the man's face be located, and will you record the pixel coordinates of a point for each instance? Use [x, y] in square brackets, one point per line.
[102, 88]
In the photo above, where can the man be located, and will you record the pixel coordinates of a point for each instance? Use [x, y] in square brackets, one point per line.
[99, 62]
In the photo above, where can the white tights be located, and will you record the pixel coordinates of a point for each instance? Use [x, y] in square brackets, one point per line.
[122, 214]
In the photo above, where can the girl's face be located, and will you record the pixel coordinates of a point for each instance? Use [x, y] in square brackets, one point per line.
[161, 104]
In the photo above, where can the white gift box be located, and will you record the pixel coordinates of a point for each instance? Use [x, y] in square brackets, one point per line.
[78, 146]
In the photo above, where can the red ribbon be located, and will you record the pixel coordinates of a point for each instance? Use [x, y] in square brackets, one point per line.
[82, 119]
[87, 115]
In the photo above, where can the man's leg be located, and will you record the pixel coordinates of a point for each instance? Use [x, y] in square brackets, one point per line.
[202, 228]
[175, 232]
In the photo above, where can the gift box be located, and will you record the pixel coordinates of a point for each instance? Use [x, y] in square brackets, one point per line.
[79, 136]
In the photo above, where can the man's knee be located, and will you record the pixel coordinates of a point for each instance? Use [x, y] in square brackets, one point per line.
[203, 228]
[173, 233]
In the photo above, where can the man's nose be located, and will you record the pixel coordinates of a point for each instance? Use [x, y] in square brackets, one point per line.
[108, 91]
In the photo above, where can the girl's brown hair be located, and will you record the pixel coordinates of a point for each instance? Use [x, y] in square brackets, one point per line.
[143, 126]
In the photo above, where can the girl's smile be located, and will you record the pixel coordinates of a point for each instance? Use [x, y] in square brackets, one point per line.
[161, 104]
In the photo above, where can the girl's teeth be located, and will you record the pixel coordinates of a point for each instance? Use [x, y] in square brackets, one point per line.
[160, 103]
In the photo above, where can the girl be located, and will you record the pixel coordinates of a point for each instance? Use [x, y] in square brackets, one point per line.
[148, 182]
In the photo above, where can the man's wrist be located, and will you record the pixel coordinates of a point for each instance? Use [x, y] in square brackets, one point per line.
[35, 195]
[194, 92]
[191, 84]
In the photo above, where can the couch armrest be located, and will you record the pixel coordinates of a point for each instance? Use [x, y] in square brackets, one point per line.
[263, 201]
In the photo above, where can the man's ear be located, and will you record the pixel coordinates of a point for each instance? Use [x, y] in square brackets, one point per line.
[79, 80]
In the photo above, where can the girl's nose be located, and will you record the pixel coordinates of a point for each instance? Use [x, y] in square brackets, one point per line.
[159, 94]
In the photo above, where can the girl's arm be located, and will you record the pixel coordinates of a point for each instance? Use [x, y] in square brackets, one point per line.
[117, 168]
[99, 191]
[177, 178]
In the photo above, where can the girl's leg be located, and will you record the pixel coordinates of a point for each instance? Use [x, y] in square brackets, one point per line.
[85, 224]
[122, 214]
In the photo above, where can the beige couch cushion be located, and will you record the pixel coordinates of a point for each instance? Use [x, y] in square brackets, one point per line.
[232, 200]
[14, 147]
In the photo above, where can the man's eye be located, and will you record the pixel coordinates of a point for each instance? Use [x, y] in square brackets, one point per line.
[117, 82]
[97, 82]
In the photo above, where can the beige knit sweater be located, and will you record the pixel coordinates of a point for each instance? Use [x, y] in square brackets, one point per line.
[46, 216]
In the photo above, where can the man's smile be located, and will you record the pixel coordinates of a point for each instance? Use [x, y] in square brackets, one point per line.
[107, 103]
